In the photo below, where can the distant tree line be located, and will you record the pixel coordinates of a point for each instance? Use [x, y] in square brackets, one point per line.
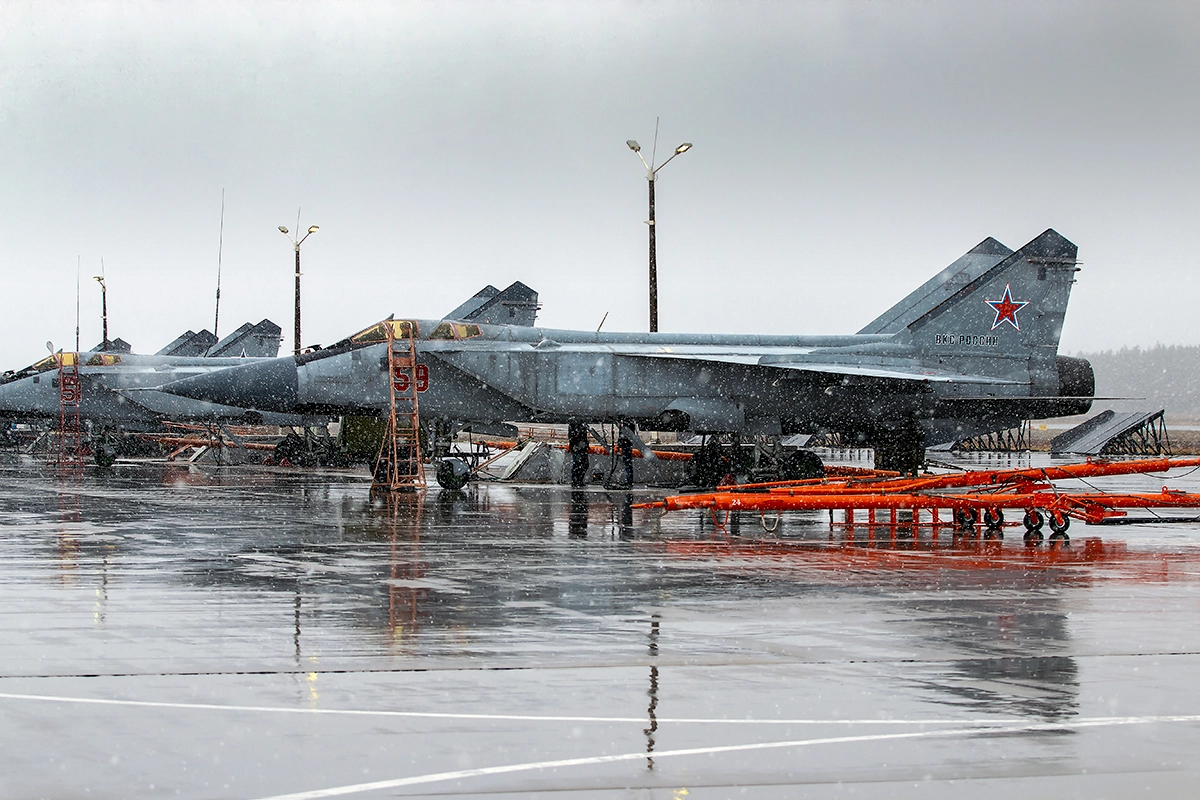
[1166, 376]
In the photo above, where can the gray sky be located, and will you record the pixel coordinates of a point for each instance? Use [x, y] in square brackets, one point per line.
[844, 152]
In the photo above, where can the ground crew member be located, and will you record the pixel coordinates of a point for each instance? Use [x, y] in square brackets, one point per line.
[577, 446]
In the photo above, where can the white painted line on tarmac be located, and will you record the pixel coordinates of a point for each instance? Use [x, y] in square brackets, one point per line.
[983, 727]
[695, 751]
[497, 717]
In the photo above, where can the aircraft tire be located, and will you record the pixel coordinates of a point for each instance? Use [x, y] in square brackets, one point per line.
[453, 473]
[105, 454]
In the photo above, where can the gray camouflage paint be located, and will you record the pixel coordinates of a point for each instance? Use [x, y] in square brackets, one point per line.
[959, 366]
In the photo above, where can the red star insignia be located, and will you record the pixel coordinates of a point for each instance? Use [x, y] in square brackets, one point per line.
[1006, 309]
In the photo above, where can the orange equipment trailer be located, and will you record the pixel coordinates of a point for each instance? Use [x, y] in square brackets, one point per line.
[969, 496]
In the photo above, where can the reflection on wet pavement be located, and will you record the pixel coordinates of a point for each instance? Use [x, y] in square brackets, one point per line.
[241, 633]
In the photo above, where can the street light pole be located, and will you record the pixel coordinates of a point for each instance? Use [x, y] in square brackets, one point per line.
[296, 246]
[653, 263]
[103, 309]
[297, 332]
[651, 177]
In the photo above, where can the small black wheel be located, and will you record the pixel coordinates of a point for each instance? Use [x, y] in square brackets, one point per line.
[993, 518]
[105, 454]
[1059, 523]
[1034, 520]
[966, 518]
[453, 473]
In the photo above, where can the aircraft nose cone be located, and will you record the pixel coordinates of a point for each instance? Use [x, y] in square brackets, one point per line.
[266, 386]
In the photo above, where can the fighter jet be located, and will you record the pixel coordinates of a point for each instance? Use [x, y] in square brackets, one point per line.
[972, 351]
[120, 389]
[118, 386]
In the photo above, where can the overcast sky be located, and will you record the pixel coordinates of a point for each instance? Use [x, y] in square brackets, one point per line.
[844, 152]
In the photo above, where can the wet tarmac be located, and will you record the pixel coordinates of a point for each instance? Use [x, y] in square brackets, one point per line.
[243, 633]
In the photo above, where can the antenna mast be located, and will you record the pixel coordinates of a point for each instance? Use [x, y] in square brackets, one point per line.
[77, 262]
[654, 147]
[103, 305]
[220, 250]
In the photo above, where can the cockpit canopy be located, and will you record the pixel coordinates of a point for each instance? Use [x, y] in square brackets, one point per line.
[69, 359]
[51, 362]
[456, 330]
[402, 327]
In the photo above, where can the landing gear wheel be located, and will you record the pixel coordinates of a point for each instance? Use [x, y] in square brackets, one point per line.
[105, 454]
[1034, 520]
[453, 473]
[966, 518]
[993, 518]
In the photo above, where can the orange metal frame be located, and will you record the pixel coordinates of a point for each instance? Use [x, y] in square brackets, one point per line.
[985, 490]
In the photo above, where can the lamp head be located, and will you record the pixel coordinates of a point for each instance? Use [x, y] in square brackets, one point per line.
[683, 148]
[313, 229]
[634, 146]
[283, 230]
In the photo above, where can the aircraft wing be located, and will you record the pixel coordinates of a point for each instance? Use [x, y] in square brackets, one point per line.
[915, 372]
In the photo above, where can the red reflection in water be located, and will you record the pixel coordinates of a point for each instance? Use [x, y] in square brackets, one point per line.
[1080, 560]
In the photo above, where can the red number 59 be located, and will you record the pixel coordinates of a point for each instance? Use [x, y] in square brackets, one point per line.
[400, 378]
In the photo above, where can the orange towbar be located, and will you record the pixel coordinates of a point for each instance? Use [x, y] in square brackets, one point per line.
[1027, 489]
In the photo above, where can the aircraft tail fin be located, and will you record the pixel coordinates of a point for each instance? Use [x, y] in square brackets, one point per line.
[1007, 321]
[117, 345]
[516, 305]
[255, 341]
[976, 261]
[474, 304]
[189, 343]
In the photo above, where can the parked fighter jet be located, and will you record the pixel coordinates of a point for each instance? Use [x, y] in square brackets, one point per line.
[118, 387]
[971, 352]
[121, 388]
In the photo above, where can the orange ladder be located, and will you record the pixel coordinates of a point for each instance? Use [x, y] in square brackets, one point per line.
[70, 431]
[399, 467]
